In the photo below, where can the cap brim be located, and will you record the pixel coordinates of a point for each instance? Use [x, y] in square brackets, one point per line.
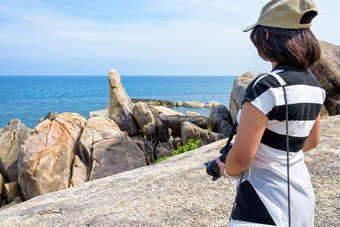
[250, 27]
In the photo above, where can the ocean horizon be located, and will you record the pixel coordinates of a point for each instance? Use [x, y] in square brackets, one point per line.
[30, 97]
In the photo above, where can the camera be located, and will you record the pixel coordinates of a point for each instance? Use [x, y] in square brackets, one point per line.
[212, 167]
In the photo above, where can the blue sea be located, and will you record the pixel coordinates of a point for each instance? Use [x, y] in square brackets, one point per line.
[30, 98]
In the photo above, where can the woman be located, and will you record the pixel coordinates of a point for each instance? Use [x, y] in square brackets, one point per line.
[281, 36]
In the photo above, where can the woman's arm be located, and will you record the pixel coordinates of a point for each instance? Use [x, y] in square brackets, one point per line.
[313, 137]
[249, 134]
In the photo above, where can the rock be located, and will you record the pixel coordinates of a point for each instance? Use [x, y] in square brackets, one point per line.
[145, 120]
[121, 106]
[188, 113]
[149, 102]
[107, 150]
[112, 158]
[2, 188]
[177, 142]
[163, 133]
[179, 104]
[167, 103]
[192, 131]
[193, 104]
[161, 152]
[238, 92]
[175, 121]
[324, 112]
[12, 190]
[104, 113]
[46, 158]
[17, 200]
[79, 172]
[219, 114]
[327, 70]
[11, 140]
[181, 192]
[211, 103]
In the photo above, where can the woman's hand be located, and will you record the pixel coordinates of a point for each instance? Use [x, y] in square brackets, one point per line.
[221, 165]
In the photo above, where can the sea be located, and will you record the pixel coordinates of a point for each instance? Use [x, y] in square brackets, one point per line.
[30, 98]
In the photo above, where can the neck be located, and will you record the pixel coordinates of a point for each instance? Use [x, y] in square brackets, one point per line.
[274, 64]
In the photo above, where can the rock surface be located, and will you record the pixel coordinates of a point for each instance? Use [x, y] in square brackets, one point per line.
[193, 104]
[120, 110]
[12, 191]
[45, 161]
[327, 70]
[145, 120]
[175, 192]
[220, 119]
[192, 131]
[11, 139]
[238, 92]
[2, 188]
[106, 150]
[163, 133]
[175, 121]
[211, 103]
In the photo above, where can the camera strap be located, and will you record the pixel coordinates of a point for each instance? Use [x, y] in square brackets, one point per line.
[283, 85]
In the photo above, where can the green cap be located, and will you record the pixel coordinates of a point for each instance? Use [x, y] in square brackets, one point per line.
[284, 14]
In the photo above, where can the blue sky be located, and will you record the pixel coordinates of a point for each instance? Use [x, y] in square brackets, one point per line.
[138, 37]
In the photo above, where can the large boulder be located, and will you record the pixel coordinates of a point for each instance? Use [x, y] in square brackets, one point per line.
[11, 140]
[237, 94]
[220, 119]
[192, 131]
[45, 160]
[79, 172]
[12, 191]
[106, 150]
[120, 110]
[211, 103]
[145, 120]
[327, 70]
[193, 104]
[175, 121]
[163, 133]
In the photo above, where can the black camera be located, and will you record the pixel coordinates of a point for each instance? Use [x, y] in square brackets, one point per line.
[212, 167]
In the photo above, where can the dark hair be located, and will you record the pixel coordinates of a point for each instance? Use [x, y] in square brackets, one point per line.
[292, 47]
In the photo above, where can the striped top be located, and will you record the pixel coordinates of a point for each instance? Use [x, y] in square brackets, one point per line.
[268, 171]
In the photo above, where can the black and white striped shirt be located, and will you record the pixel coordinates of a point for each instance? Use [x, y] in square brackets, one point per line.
[305, 97]
[267, 173]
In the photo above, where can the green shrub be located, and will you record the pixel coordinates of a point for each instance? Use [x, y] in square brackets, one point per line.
[191, 145]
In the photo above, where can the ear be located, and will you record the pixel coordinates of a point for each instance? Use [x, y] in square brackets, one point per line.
[267, 34]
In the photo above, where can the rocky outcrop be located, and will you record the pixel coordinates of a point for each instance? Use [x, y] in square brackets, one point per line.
[175, 121]
[141, 197]
[11, 139]
[211, 103]
[327, 70]
[192, 131]
[106, 150]
[45, 161]
[238, 92]
[120, 110]
[193, 104]
[220, 119]
[145, 120]
[163, 133]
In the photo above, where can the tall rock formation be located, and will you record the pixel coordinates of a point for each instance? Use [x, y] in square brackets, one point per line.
[120, 109]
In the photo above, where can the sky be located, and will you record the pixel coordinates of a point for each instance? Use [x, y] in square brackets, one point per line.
[138, 37]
